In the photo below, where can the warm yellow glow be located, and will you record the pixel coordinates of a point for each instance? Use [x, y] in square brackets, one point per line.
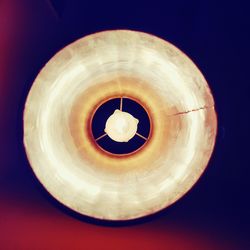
[121, 126]
[88, 72]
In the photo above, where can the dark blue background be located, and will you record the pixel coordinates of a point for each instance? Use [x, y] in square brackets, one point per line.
[214, 34]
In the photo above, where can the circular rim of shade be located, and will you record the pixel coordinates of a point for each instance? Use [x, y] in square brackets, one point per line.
[177, 195]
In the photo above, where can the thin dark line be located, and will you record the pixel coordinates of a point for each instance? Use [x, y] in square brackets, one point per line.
[52, 8]
[190, 111]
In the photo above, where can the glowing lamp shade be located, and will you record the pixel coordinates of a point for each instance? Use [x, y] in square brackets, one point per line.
[65, 153]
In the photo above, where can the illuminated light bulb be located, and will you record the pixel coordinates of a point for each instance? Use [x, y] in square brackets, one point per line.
[121, 126]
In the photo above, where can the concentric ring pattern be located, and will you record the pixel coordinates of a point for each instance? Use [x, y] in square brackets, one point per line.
[103, 66]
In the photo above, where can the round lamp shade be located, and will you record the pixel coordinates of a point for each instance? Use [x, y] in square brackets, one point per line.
[119, 125]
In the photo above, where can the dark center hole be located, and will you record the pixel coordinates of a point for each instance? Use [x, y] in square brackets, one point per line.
[105, 111]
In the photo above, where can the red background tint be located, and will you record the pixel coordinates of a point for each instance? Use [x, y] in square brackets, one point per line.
[215, 213]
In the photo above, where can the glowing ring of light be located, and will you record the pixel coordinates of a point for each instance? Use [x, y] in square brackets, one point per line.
[58, 139]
